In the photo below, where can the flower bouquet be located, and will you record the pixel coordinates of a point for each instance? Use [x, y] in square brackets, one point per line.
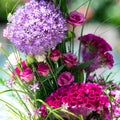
[53, 80]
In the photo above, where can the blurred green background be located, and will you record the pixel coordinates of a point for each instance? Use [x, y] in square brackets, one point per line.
[104, 10]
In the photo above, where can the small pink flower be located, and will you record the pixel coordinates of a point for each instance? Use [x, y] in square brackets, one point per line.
[26, 97]
[34, 87]
[55, 55]
[5, 33]
[37, 112]
[43, 69]
[66, 78]
[27, 75]
[75, 18]
[69, 59]
[10, 83]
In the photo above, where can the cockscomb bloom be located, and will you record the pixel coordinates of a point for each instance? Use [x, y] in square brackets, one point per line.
[37, 27]
[80, 98]
[97, 49]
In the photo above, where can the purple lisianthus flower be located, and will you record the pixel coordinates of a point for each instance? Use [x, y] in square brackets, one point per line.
[97, 49]
[66, 78]
[37, 27]
[69, 59]
[75, 18]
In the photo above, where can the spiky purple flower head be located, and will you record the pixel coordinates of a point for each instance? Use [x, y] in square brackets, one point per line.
[37, 27]
[97, 49]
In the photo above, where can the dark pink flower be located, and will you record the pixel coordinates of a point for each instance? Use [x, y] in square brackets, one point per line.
[66, 78]
[97, 49]
[75, 18]
[69, 59]
[55, 55]
[81, 98]
[43, 69]
[27, 75]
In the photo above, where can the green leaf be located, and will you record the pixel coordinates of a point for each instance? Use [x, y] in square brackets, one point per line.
[83, 65]
[60, 69]
[1, 81]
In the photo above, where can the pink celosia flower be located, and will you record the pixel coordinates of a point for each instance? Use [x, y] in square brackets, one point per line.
[80, 98]
[43, 69]
[69, 59]
[97, 49]
[54, 55]
[27, 75]
[66, 78]
[75, 18]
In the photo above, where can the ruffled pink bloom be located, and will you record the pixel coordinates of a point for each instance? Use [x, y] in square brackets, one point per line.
[97, 49]
[55, 55]
[75, 18]
[66, 78]
[43, 69]
[69, 59]
[27, 75]
[80, 98]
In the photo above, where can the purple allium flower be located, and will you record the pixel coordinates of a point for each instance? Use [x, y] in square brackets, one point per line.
[97, 49]
[37, 27]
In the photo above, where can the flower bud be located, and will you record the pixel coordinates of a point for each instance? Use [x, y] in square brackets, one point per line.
[30, 59]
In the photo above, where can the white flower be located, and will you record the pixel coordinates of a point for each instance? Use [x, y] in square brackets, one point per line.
[40, 58]
[13, 58]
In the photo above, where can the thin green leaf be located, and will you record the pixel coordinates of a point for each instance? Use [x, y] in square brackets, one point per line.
[83, 65]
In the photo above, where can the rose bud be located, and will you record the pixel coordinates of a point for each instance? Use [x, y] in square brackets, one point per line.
[69, 59]
[55, 55]
[66, 78]
[43, 69]
[75, 18]
[27, 75]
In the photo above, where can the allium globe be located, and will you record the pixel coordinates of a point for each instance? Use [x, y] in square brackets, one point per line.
[37, 27]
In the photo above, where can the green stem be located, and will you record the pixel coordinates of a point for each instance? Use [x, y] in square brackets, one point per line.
[72, 40]
[80, 43]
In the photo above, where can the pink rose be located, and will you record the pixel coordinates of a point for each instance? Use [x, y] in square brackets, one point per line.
[55, 55]
[70, 59]
[66, 78]
[43, 69]
[75, 18]
[27, 75]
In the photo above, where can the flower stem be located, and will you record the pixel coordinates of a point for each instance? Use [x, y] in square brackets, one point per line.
[79, 50]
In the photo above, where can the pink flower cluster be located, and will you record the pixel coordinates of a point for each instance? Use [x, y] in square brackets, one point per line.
[116, 103]
[89, 96]
[26, 73]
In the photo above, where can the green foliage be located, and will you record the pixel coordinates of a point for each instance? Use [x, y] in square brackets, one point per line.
[7, 6]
